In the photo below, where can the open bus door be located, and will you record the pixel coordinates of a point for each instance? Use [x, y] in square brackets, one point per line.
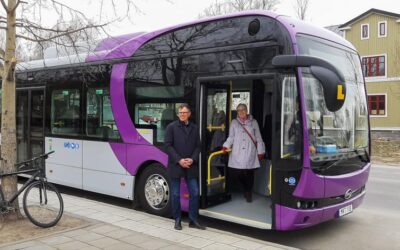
[214, 124]
[216, 96]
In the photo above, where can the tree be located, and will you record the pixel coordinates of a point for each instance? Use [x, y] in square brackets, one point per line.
[71, 25]
[300, 7]
[229, 6]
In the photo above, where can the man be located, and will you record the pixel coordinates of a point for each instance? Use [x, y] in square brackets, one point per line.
[182, 140]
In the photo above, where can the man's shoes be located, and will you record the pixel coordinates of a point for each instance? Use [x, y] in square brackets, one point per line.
[196, 224]
[248, 196]
[178, 225]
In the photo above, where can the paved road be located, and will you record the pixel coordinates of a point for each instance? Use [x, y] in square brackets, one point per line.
[374, 225]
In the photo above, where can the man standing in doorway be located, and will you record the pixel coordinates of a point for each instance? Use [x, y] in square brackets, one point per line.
[182, 140]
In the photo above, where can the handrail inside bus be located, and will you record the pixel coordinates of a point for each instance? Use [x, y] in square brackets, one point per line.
[209, 166]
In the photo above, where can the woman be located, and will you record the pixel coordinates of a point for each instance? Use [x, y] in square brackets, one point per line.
[247, 149]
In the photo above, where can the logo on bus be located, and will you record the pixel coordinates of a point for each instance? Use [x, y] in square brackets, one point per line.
[71, 145]
[348, 194]
[291, 181]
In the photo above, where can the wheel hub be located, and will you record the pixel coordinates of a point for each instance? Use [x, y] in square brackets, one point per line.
[156, 191]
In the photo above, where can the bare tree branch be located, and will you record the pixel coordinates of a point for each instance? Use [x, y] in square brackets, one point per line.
[26, 23]
[301, 7]
[220, 7]
[16, 5]
[4, 5]
[59, 34]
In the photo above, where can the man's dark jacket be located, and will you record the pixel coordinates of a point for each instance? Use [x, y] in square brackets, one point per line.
[182, 141]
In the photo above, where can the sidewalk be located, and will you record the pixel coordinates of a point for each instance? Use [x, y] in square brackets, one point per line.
[116, 228]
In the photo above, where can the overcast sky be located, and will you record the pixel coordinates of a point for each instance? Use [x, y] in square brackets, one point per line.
[158, 13]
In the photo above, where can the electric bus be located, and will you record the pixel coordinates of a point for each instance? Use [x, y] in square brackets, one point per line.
[104, 113]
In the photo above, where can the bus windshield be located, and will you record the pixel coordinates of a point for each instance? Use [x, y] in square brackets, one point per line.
[343, 134]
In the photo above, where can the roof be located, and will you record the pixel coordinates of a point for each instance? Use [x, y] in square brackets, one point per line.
[335, 29]
[371, 11]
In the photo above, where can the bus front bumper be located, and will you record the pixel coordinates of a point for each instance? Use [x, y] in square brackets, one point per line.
[293, 219]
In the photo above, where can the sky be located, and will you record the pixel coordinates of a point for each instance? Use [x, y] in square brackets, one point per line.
[157, 14]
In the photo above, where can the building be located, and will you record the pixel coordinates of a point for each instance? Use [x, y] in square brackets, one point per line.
[335, 28]
[376, 35]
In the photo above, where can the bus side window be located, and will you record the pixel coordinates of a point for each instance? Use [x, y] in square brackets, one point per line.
[156, 115]
[100, 121]
[65, 111]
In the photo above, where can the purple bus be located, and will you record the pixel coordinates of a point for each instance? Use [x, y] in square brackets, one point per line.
[104, 111]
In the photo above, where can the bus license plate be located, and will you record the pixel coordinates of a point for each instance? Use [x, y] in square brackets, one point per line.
[345, 210]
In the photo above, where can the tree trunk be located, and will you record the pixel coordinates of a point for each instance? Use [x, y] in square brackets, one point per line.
[8, 124]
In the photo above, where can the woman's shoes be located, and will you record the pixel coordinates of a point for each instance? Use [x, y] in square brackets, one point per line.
[248, 196]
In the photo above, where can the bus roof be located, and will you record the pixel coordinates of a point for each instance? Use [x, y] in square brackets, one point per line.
[126, 45]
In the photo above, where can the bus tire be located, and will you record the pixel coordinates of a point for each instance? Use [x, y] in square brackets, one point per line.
[154, 190]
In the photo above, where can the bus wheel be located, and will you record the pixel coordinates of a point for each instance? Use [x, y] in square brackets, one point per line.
[154, 190]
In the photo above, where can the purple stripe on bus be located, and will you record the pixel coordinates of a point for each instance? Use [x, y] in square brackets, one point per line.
[104, 47]
[295, 219]
[121, 115]
[305, 190]
[138, 154]
[112, 42]
[119, 150]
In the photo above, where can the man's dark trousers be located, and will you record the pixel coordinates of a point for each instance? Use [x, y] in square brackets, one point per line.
[193, 187]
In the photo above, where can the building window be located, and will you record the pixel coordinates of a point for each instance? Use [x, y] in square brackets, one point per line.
[377, 105]
[374, 66]
[364, 31]
[382, 29]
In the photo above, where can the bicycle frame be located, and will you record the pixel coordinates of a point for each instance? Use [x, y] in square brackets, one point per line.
[26, 184]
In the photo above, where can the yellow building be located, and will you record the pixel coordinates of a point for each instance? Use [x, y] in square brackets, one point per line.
[376, 35]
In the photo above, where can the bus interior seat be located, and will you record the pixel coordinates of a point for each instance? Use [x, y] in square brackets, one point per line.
[105, 132]
[92, 124]
[167, 116]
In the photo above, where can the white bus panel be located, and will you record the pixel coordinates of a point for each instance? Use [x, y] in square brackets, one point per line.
[88, 165]
[65, 165]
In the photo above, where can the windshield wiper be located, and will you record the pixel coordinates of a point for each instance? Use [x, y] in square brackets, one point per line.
[323, 169]
[356, 151]
[360, 156]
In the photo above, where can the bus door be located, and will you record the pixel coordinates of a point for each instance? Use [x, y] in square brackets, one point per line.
[30, 122]
[214, 125]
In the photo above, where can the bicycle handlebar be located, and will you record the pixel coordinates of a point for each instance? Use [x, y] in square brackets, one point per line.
[43, 156]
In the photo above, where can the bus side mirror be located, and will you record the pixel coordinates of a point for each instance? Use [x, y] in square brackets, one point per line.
[332, 80]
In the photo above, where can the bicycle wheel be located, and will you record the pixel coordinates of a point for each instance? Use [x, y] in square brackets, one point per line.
[43, 204]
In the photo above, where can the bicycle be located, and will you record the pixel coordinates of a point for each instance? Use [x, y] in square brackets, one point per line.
[42, 202]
